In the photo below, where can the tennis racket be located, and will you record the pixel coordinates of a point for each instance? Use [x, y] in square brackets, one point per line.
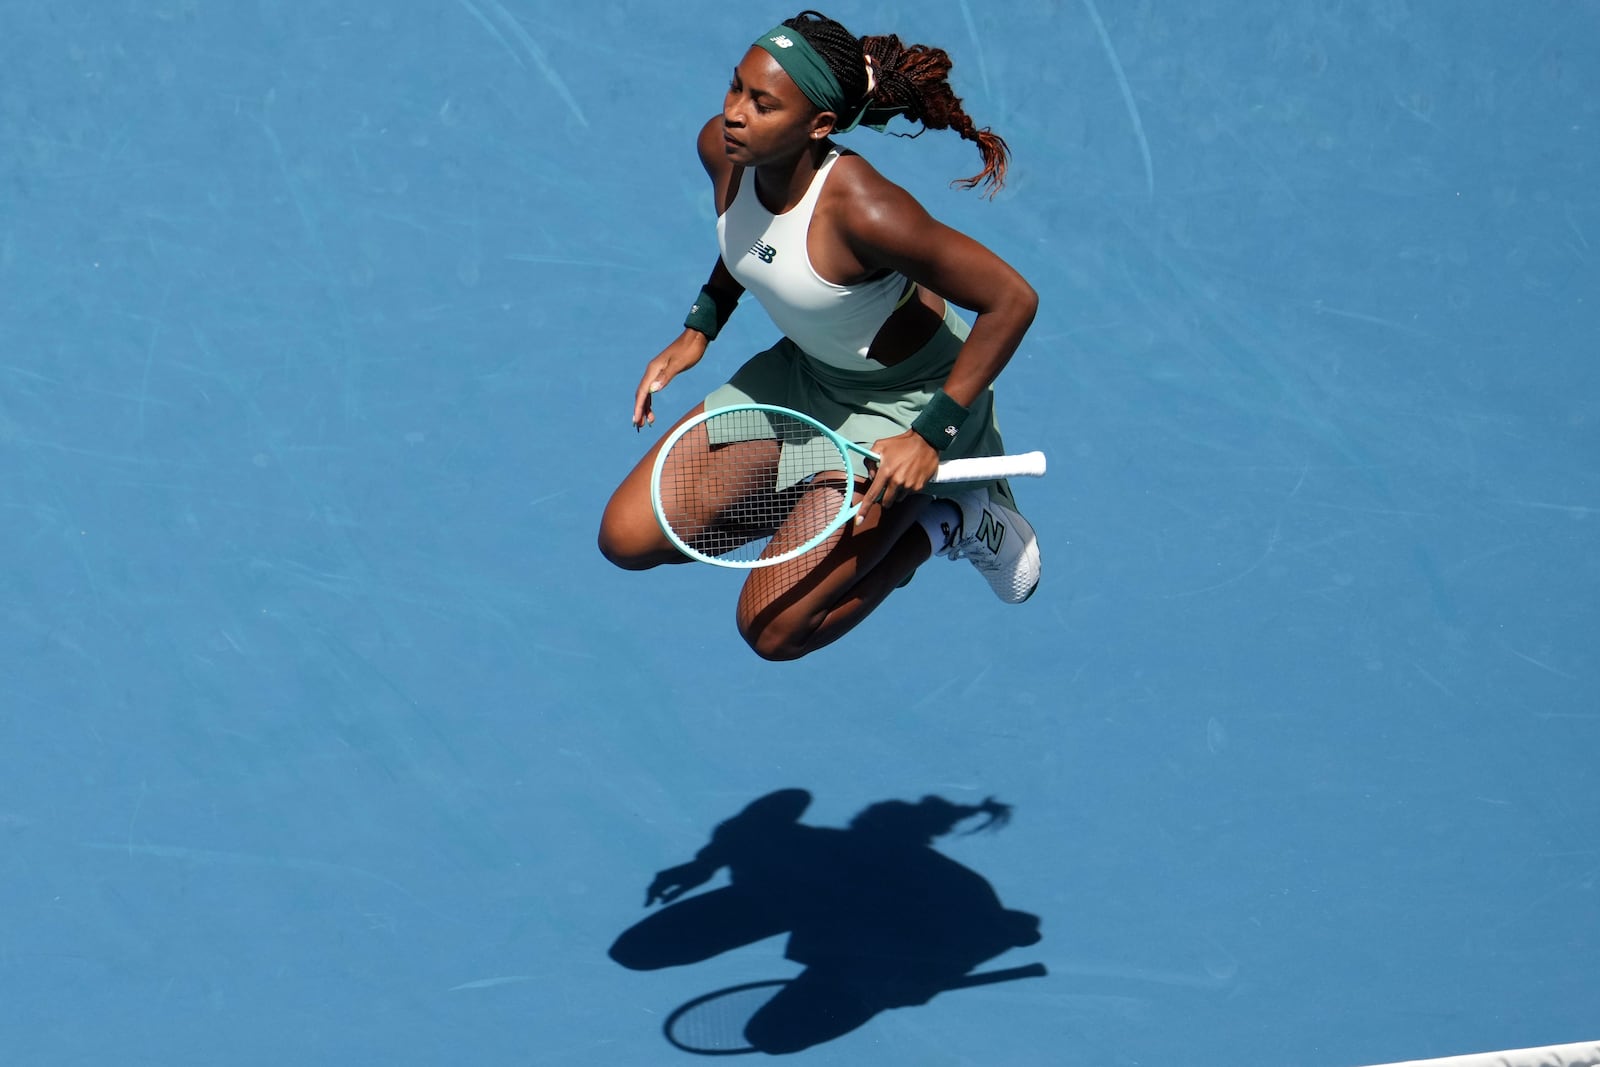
[752, 485]
[714, 1024]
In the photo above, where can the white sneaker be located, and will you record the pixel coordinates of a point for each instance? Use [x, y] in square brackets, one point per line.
[996, 540]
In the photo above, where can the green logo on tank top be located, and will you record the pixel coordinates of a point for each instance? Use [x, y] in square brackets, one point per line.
[763, 251]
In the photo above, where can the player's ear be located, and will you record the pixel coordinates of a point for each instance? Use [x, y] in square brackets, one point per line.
[824, 123]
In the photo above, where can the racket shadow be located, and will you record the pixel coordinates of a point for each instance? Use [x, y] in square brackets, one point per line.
[742, 1019]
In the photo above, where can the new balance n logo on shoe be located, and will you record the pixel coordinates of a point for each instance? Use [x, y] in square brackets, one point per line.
[763, 251]
[990, 532]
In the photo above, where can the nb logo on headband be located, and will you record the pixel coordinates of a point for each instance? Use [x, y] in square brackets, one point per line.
[781, 41]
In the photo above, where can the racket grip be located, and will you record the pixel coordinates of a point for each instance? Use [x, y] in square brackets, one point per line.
[988, 468]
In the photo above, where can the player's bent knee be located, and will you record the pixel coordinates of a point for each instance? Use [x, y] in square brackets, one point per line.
[775, 643]
[629, 952]
[619, 553]
[622, 543]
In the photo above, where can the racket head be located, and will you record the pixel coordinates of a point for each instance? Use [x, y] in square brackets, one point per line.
[713, 1024]
[729, 481]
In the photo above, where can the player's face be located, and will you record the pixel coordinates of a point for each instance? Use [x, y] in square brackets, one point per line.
[765, 116]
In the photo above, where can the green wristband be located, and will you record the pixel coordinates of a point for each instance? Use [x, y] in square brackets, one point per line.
[709, 312]
[940, 421]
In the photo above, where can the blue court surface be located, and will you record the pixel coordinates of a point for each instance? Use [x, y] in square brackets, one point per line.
[327, 737]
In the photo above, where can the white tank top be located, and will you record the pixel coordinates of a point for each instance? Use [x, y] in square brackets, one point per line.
[834, 324]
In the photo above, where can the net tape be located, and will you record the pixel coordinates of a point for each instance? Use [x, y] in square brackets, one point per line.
[1583, 1054]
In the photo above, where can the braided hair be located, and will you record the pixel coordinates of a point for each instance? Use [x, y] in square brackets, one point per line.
[913, 79]
[930, 817]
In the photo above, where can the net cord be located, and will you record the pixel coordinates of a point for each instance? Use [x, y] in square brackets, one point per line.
[1583, 1054]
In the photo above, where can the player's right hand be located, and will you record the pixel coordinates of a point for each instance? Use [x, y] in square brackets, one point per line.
[676, 358]
[673, 882]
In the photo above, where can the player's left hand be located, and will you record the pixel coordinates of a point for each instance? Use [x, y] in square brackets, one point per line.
[906, 463]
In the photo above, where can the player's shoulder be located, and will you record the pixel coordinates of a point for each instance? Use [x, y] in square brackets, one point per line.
[857, 192]
[709, 144]
[853, 174]
[714, 158]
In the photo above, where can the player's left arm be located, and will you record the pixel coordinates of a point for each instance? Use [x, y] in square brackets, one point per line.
[887, 228]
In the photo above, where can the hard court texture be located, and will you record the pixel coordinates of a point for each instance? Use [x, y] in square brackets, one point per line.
[327, 737]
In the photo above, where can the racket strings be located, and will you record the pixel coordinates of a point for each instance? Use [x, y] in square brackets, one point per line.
[715, 1023]
[740, 478]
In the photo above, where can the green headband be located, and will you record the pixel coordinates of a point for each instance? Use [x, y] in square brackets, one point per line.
[805, 65]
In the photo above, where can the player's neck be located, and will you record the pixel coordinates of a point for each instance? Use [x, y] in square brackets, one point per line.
[783, 184]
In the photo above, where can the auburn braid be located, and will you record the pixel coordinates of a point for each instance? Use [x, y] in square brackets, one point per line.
[939, 816]
[914, 78]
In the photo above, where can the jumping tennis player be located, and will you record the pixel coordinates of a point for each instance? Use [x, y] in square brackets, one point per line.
[864, 284]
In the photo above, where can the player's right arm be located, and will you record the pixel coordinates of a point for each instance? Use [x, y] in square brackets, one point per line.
[674, 882]
[690, 346]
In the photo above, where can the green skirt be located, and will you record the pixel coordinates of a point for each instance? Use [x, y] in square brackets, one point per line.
[869, 405]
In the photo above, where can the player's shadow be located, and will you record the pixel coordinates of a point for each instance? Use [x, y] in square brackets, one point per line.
[876, 915]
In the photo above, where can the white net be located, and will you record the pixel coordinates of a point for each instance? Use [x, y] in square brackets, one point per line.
[1583, 1054]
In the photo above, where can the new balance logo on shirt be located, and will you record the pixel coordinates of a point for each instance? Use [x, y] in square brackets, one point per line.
[763, 251]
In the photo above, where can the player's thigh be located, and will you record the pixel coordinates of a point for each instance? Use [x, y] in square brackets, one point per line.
[704, 485]
[628, 524]
[816, 581]
[698, 928]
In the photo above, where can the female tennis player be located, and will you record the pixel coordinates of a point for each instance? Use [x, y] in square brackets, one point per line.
[864, 285]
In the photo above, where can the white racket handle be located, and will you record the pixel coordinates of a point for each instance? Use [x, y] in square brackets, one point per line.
[988, 468]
